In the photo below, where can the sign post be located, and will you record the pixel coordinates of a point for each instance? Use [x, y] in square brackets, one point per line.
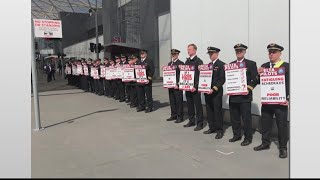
[41, 28]
[34, 83]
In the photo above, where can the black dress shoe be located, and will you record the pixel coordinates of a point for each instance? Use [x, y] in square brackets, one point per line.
[127, 101]
[121, 101]
[198, 128]
[246, 142]
[283, 153]
[140, 109]
[219, 135]
[209, 131]
[171, 118]
[189, 124]
[132, 106]
[261, 147]
[235, 138]
[178, 121]
[148, 110]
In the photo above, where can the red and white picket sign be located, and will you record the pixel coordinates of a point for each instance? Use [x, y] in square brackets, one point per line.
[74, 70]
[273, 86]
[141, 74]
[113, 72]
[186, 81]
[119, 71]
[95, 73]
[236, 78]
[128, 73]
[108, 74]
[68, 70]
[169, 76]
[205, 77]
[102, 71]
[85, 70]
[79, 70]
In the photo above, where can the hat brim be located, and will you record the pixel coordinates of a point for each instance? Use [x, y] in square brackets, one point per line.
[273, 48]
[240, 48]
[212, 52]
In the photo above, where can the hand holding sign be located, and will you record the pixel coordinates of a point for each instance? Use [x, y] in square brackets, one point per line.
[260, 70]
[210, 92]
[286, 103]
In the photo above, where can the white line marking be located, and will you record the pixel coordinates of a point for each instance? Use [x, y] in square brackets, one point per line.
[224, 153]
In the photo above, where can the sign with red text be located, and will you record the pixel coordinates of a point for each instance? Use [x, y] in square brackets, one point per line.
[205, 77]
[45, 28]
[85, 70]
[119, 72]
[186, 81]
[141, 74]
[236, 78]
[273, 86]
[113, 72]
[79, 70]
[169, 76]
[128, 73]
[108, 74]
[74, 70]
[95, 73]
[102, 71]
[68, 70]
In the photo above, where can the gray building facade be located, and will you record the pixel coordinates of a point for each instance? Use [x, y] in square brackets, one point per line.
[133, 24]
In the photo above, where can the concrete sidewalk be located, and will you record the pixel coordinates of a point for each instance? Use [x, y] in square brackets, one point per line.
[93, 136]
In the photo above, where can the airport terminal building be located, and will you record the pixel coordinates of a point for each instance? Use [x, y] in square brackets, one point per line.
[126, 26]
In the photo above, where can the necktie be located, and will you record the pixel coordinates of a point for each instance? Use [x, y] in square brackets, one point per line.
[272, 65]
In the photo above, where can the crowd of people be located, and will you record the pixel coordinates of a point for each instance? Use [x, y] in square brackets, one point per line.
[139, 95]
[80, 73]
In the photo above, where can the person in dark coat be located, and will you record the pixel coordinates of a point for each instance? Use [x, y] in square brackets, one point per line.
[145, 90]
[213, 99]
[280, 111]
[240, 105]
[176, 96]
[195, 111]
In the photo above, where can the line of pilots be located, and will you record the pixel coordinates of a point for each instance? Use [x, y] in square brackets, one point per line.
[139, 96]
[136, 95]
[239, 105]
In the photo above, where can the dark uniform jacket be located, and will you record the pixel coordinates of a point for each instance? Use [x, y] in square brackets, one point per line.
[286, 66]
[218, 76]
[252, 80]
[176, 65]
[195, 61]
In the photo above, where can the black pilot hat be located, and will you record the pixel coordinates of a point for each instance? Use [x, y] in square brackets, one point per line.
[143, 51]
[212, 49]
[133, 56]
[240, 47]
[274, 46]
[122, 56]
[175, 51]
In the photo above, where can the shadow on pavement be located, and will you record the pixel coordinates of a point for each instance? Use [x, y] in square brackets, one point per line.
[61, 94]
[72, 120]
[158, 105]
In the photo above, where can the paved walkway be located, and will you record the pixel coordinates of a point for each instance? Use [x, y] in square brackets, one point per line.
[92, 136]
